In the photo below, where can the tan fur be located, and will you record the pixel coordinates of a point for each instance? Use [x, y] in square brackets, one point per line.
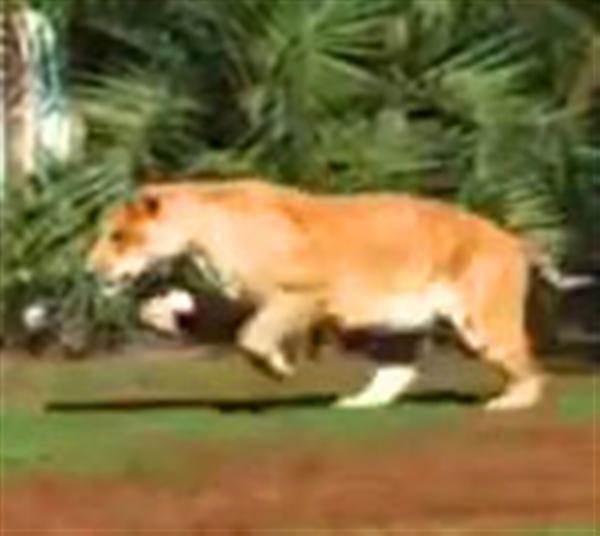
[355, 261]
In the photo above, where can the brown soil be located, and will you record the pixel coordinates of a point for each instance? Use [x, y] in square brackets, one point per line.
[499, 472]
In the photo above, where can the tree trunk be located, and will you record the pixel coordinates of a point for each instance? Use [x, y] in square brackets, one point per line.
[18, 105]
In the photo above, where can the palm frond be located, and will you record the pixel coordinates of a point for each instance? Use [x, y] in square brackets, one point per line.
[137, 113]
[46, 230]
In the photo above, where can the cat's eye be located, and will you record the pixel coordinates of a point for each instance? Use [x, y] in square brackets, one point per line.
[117, 237]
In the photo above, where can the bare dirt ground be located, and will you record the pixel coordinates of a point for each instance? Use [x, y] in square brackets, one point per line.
[505, 475]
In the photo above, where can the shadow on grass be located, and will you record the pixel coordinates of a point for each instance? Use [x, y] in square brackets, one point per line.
[257, 405]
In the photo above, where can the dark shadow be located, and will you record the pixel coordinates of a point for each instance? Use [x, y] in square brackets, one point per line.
[258, 405]
[443, 397]
[250, 405]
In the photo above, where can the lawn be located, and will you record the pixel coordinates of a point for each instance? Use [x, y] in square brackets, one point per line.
[195, 442]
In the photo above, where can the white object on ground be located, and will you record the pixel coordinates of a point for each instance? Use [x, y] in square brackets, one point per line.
[36, 317]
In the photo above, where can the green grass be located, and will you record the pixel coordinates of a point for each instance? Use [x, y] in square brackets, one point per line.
[581, 403]
[36, 439]
[116, 442]
[113, 443]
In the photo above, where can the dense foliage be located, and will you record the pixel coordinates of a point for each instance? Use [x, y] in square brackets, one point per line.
[492, 104]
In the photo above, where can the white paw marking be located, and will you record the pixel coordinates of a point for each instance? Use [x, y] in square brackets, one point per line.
[281, 365]
[387, 384]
